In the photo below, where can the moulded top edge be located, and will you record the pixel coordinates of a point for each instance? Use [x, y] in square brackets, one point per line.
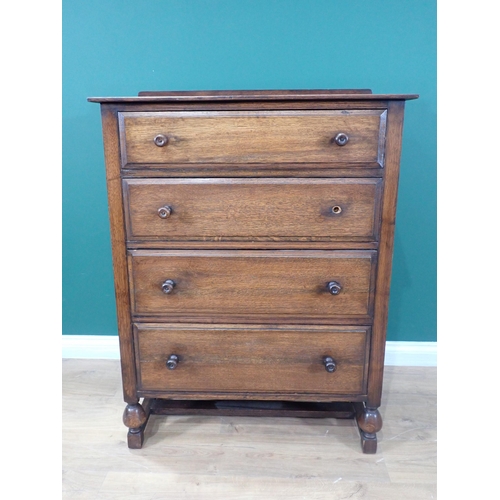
[289, 95]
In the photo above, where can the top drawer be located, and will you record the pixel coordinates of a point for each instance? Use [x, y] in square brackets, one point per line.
[335, 137]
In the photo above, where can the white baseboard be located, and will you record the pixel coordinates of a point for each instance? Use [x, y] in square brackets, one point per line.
[90, 346]
[411, 353]
[106, 347]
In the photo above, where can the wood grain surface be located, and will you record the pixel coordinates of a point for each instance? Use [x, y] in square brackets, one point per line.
[260, 358]
[253, 137]
[254, 95]
[252, 282]
[264, 212]
[119, 251]
[384, 266]
[246, 209]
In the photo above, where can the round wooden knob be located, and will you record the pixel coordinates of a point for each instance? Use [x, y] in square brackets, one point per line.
[160, 140]
[334, 287]
[172, 362]
[341, 139]
[330, 365]
[164, 212]
[168, 286]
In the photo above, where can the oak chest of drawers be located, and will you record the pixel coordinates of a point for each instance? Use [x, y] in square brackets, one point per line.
[252, 236]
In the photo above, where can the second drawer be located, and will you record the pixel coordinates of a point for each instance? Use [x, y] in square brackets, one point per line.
[250, 209]
[277, 284]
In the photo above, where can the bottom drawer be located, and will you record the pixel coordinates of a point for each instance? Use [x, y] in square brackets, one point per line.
[251, 359]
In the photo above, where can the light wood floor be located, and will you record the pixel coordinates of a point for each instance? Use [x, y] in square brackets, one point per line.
[241, 457]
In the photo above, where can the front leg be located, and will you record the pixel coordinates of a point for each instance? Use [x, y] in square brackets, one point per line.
[369, 423]
[135, 417]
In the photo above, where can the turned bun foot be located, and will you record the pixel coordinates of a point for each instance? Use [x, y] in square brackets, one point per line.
[369, 423]
[135, 418]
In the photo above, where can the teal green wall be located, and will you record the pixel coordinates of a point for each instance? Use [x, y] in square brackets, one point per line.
[119, 47]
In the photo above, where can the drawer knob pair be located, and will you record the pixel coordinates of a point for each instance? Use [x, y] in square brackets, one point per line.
[166, 211]
[328, 361]
[334, 287]
[341, 139]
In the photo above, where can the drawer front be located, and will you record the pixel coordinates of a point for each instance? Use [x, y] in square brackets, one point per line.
[251, 358]
[250, 209]
[253, 137]
[277, 283]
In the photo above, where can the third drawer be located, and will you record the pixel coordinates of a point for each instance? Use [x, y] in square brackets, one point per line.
[278, 285]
